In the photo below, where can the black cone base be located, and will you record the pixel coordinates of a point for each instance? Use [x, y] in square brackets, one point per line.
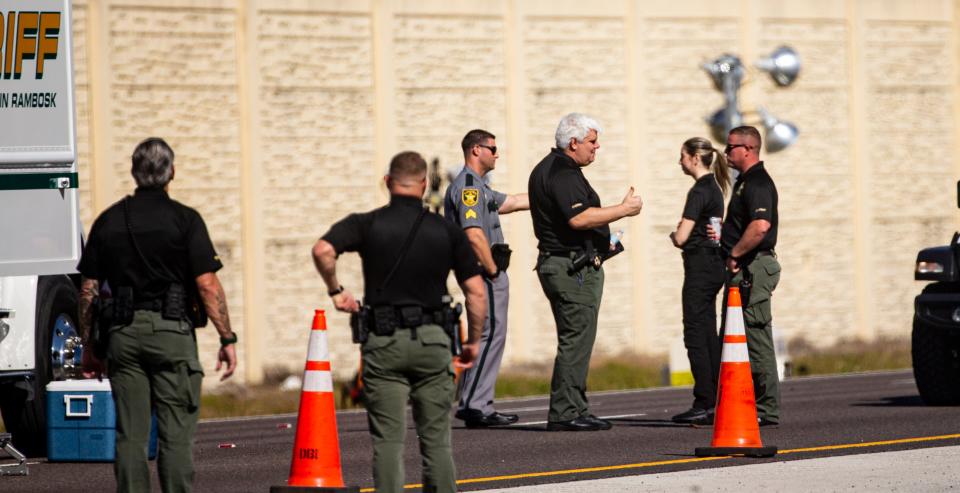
[738, 451]
[313, 489]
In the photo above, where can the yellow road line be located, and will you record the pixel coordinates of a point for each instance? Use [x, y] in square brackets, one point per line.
[640, 465]
[870, 444]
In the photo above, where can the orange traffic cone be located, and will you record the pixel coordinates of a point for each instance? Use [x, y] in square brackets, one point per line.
[316, 450]
[735, 428]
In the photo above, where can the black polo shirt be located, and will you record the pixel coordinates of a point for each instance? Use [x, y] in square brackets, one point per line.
[754, 197]
[704, 200]
[558, 191]
[421, 278]
[172, 237]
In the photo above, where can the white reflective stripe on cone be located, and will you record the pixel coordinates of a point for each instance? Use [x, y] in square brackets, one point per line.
[735, 352]
[734, 325]
[317, 381]
[318, 349]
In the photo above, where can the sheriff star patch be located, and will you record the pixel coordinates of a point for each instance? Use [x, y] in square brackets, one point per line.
[470, 196]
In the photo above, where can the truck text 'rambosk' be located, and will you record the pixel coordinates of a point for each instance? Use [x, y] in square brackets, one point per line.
[40, 232]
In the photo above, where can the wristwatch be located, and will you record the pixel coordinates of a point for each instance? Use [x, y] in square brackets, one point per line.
[337, 291]
[226, 341]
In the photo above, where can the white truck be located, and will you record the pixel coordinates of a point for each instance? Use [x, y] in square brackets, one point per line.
[40, 231]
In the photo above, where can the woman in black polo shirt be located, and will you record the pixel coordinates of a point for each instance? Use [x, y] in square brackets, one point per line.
[703, 271]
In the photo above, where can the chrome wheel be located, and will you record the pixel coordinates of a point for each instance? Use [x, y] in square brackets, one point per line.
[65, 349]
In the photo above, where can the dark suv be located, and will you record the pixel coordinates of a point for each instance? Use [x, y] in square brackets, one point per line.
[936, 323]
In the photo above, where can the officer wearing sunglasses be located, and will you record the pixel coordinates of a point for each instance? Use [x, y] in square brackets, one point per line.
[749, 235]
[475, 207]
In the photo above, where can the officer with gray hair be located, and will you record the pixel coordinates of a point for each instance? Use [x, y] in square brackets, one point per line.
[574, 240]
[151, 268]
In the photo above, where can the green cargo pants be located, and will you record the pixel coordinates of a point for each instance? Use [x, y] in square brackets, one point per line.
[411, 364]
[758, 318]
[575, 302]
[154, 360]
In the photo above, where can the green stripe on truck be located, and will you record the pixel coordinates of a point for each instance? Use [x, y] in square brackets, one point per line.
[36, 181]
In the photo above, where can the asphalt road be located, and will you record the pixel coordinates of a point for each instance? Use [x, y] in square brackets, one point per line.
[822, 417]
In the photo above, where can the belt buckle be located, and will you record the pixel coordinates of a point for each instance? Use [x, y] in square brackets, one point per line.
[597, 262]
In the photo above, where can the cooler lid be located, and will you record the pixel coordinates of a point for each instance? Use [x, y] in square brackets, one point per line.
[90, 385]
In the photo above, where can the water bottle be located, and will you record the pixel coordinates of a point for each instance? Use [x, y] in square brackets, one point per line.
[615, 238]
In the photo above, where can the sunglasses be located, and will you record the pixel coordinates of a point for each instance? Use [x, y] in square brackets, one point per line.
[493, 149]
[731, 147]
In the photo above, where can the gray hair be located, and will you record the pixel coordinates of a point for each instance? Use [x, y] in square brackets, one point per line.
[575, 126]
[152, 163]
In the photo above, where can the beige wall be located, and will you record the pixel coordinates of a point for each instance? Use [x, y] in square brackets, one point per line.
[284, 114]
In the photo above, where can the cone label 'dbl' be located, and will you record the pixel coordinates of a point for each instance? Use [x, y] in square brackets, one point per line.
[316, 449]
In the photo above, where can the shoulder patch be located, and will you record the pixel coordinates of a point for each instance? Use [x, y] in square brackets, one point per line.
[469, 196]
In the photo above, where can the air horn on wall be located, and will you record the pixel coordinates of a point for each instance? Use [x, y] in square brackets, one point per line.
[728, 73]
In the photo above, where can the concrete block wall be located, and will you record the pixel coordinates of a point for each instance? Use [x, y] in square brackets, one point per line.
[284, 115]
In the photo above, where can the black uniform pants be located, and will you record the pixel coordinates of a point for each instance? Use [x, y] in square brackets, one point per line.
[703, 276]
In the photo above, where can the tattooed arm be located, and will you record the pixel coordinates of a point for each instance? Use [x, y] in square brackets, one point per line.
[89, 289]
[215, 301]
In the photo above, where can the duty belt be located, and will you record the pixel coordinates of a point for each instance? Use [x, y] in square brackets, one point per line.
[432, 318]
[579, 258]
[560, 253]
[752, 255]
[386, 319]
[152, 305]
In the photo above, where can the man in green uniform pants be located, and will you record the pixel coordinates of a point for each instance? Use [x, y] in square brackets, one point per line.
[748, 238]
[574, 239]
[407, 254]
[155, 259]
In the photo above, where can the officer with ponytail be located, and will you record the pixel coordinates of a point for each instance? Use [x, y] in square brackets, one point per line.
[703, 271]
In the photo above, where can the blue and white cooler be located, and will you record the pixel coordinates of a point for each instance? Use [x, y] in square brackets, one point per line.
[82, 422]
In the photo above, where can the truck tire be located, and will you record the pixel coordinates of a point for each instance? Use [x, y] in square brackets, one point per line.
[24, 418]
[936, 364]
